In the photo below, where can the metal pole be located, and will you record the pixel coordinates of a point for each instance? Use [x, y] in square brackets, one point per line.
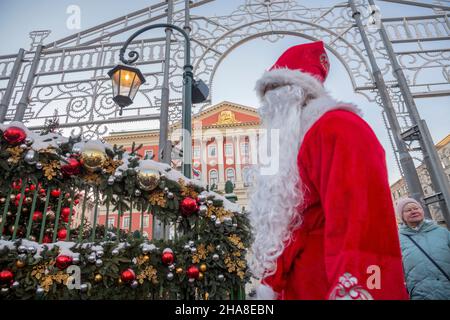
[187, 87]
[23, 103]
[187, 101]
[411, 177]
[431, 158]
[165, 148]
[11, 84]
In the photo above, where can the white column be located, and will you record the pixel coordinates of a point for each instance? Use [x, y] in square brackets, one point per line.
[237, 160]
[204, 160]
[220, 161]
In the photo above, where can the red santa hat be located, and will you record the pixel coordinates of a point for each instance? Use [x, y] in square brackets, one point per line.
[306, 65]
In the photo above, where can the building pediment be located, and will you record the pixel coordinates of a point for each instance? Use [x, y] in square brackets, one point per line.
[226, 114]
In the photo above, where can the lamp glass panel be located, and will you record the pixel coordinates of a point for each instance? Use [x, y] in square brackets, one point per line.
[126, 82]
[136, 84]
[115, 82]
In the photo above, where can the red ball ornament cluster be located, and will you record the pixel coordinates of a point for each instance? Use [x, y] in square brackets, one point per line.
[14, 135]
[65, 213]
[71, 168]
[128, 275]
[188, 206]
[62, 234]
[37, 216]
[55, 193]
[192, 272]
[63, 261]
[167, 256]
[6, 277]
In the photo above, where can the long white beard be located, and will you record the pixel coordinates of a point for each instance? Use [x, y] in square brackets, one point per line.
[275, 199]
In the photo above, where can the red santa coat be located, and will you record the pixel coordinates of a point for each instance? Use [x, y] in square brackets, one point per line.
[347, 246]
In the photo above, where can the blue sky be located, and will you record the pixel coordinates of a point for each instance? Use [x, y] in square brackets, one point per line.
[237, 74]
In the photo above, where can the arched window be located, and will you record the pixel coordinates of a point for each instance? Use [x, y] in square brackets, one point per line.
[213, 178]
[230, 175]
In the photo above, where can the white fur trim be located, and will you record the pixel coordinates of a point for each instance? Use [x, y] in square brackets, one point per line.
[316, 108]
[283, 77]
[264, 292]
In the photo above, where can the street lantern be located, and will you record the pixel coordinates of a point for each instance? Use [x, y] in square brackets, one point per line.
[125, 83]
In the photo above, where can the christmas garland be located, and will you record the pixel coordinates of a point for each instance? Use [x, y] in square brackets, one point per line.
[45, 178]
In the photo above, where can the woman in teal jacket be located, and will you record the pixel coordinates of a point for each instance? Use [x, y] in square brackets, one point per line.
[425, 280]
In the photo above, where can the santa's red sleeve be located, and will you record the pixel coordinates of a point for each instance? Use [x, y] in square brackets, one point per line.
[347, 166]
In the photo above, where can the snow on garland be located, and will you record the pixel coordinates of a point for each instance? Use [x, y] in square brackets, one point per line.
[205, 261]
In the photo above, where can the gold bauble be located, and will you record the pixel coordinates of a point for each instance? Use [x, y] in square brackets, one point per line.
[98, 277]
[200, 276]
[145, 258]
[119, 281]
[20, 264]
[203, 267]
[179, 270]
[93, 159]
[148, 179]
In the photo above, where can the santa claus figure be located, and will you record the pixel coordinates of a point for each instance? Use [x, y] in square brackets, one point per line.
[324, 223]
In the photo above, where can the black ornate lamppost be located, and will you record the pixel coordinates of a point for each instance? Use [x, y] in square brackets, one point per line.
[127, 80]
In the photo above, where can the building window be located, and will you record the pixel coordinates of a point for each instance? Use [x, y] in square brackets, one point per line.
[213, 178]
[228, 150]
[230, 175]
[212, 150]
[126, 222]
[111, 222]
[244, 149]
[196, 152]
[148, 154]
[246, 177]
[146, 219]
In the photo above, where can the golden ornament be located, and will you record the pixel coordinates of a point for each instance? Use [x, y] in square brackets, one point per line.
[98, 277]
[119, 281]
[179, 270]
[93, 159]
[148, 179]
[203, 267]
[145, 258]
[20, 264]
[200, 276]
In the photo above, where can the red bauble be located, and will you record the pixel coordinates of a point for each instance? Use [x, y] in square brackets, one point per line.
[32, 187]
[14, 135]
[6, 277]
[167, 256]
[76, 201]
[188, 206]
[72, 167]
[128, 275]
[65, 212]
[55, 193]
[46, 239]
[62, 262]
[37, 216]
[62, 234]
[192, 272]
